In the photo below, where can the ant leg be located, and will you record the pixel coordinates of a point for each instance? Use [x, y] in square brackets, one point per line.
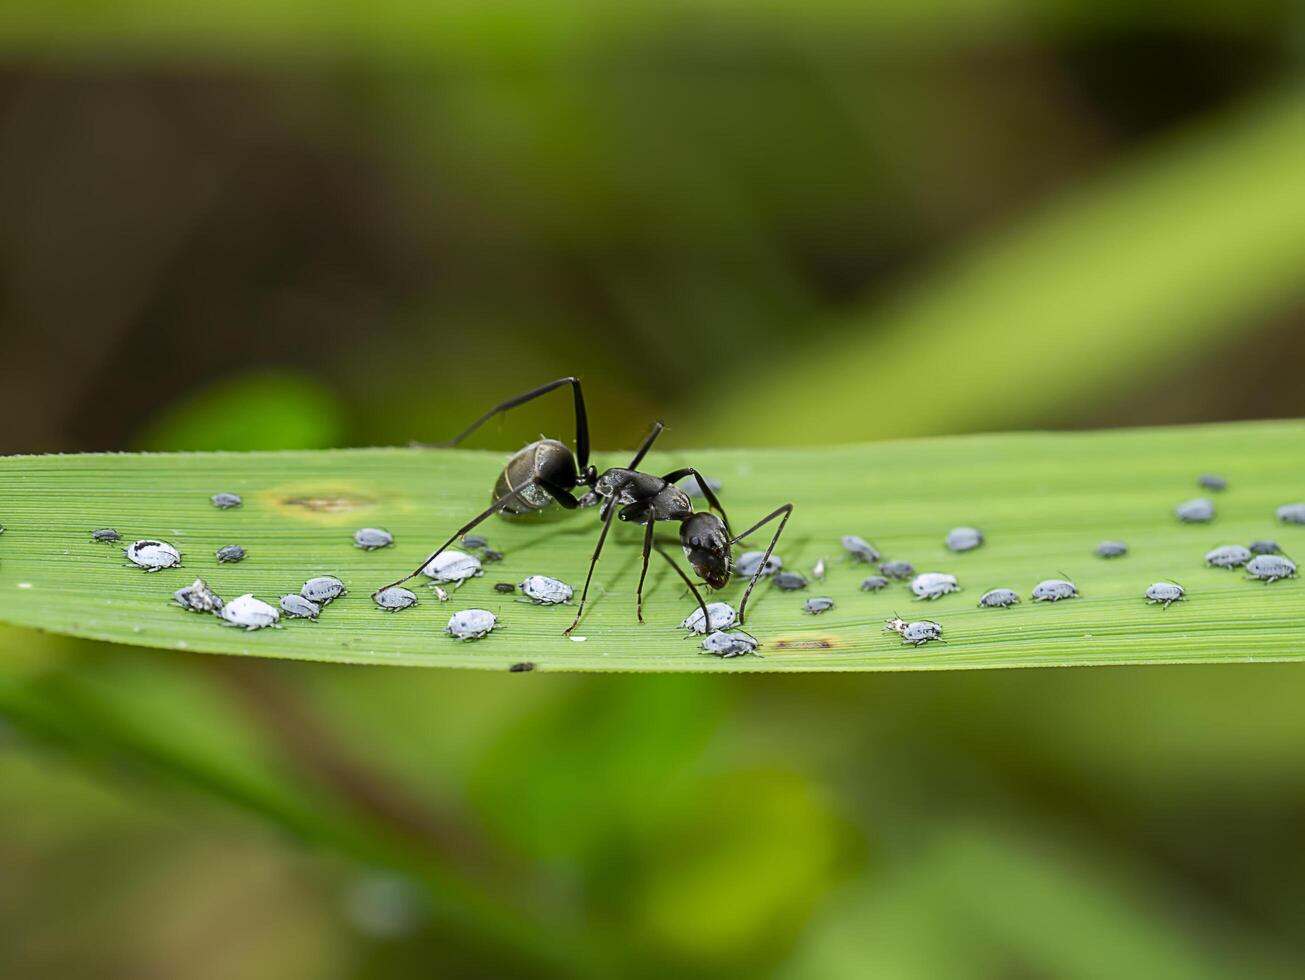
[702, 604]
[598, 550]
[581, 417]
[712, 501]
[648, 440]
[559, 493]
[493, 509]
[643, 573]
[787, 511]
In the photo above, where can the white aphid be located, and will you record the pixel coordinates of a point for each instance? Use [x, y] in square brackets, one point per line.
[250, 613]
[298, 607]
[1197, 511]
[1228, 556]
[198, 597]
[859, 548]
[963, 539]
[818, 571]
[914, 634]
[153, 555]
[395, 598]
[727, 645]
[747, 564]
[1053, 590]
[471, 624]
[545, 591]
[721, 615]
[1270, 568]
[931, 585]
[452, 567]
[322, 590]
[1163, 593]
[371, 538]
[1291, 513]
[440, 594]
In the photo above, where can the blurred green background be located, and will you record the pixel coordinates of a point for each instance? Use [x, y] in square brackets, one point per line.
[285, 225]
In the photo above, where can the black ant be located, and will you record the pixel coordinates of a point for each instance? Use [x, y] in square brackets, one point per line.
[547, 472]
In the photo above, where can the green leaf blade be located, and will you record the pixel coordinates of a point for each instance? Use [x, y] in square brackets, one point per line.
[1043, 500]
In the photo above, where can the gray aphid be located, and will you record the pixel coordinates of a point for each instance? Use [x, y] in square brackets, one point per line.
[298, 607]
[225, 501]
[721, 615]
[322, 590]
[198, 597]
[475, 541]
[395, 598]
[1053, 590]
[545, 591]
[504, 587]
[452, 566]
[371, 538]
[152, 556]
[747, 564]
[790, 581]
[1209, 481]
[249, 613]
[471, 624]
[1229, 556]
[1111, 549]
[1197, 511]
[874, 583]
[897, 569]
[728, 645]
[489, 554]
[933, 585]
[230, 553]
[998, 599]
[914, 634]
[1165, 593]
[818, 604]
[1265, 548]
[1292, 513]
[1270, 568]
[105, 535]
[964, 539]
[859, 548]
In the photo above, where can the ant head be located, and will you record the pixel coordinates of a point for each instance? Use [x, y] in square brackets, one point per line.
[707, 547]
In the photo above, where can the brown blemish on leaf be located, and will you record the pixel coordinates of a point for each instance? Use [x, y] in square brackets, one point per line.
[806, 643]
[325, 503]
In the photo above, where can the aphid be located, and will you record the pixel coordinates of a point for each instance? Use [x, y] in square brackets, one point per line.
[747, 564]
[475, 541]
[1292, 513]
[914, 634]
[225, 501]
[322, 590]
[897, 569]
[489, 554]
[440, 594]
[963, 539]
[153, 555]
[1053, 590]
[230, 553]
[729, 645]
[933, 585]
[1265, 548]
[721, 614]
[452, 566]
[790, 581]
[105, 535]
[249, 613]
[1270, 568]
[504, 587]
[1229, 556]
[371, 538]
[692, 488]
[524, 667]
[818, 572]
[1111, 549]
[1165, 593]
[198, 597]
[545, 591]
[1197, 511]
[1209, 481]
[859, 548]
[395, 598]
[471, 624]
[297, 607]
[817, 605]
[998, 599]
[874, 583]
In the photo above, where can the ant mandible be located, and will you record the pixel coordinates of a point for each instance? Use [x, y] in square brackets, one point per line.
[546, 472]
